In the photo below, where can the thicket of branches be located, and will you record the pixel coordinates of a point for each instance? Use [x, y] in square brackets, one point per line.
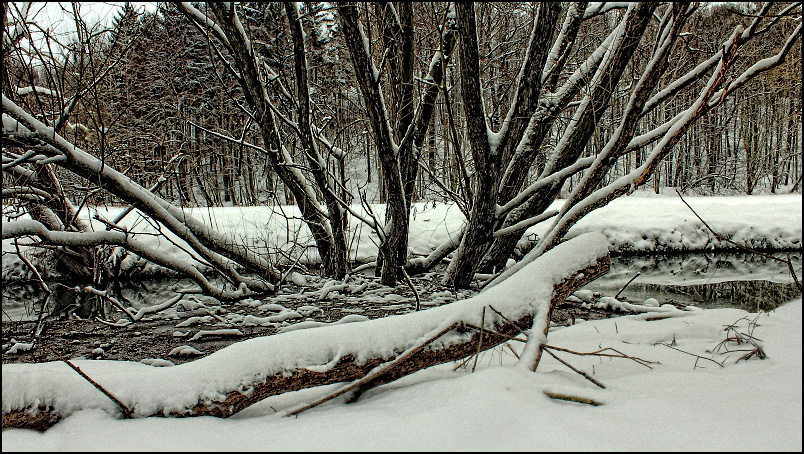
[497, 107]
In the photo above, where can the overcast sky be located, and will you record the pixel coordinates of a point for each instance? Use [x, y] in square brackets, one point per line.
[53, 13]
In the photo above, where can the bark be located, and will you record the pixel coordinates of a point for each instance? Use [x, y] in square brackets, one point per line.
[231, 32]
[674, 23]
[337, 261]
[496, 330]
[487, 164]
[15, 229]
[212, 246]
[57, 212]
[393, 250]
[714, 93]
[489, 161]
[575, 138]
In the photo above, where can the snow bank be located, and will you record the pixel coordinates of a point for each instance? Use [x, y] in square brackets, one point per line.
[664, 223]
[677, 405]
[631, 224]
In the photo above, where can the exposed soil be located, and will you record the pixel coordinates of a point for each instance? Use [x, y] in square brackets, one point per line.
[157, 335]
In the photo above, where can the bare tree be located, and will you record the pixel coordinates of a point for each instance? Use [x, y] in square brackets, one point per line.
[235, 49]
[36, 113]
[399, 144]
[500, 210]
[598, 102]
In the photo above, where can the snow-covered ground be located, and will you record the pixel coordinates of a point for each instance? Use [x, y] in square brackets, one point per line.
[643, 222]
[681, 403]
[684, 402]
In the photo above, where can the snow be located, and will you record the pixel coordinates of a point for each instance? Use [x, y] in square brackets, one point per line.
[643, 222]
[675, 405]
[681, 403]
[239, 364]
[157, 362]
[216, 332]
[185, 350]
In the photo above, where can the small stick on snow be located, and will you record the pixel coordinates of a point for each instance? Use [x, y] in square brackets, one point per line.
[569, 398]
[127, 412]
[693, 354]
[619, 354]
[580, 372]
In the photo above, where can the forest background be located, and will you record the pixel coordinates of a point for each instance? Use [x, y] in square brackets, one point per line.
[499, 108]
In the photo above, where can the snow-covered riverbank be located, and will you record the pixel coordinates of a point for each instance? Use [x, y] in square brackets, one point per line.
[685, 402]
[641, 223]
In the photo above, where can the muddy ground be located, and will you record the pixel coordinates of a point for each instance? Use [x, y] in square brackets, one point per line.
[157, 336]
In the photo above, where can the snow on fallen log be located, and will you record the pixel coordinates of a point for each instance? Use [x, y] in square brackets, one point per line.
[231, 379]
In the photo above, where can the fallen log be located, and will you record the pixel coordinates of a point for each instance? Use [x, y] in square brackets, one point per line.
[36, 396]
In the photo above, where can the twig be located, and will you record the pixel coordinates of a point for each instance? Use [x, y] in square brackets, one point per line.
[692, 354]
[410, 284]
[508, 320]
[732, 335]
[218, 317]
[512, 350]
[127, 412]
[619, 354]
[110, 299]
[580, 372]
[480, 339]
[792, 271]
[496, 333]
[465, 360]
[626, 285]
[567, 397]
[490, 280]
[45, 287]
[376, 372]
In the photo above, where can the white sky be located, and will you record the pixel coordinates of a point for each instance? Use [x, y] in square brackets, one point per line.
[59, 14]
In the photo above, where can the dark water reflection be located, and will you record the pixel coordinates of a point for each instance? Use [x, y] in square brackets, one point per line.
[747, 281]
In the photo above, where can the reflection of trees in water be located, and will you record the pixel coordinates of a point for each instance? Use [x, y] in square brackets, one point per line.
[699, 264]
[64, 300]
[747, 295]
[709, 280]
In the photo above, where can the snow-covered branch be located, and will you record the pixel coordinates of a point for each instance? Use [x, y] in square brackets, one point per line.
[199, 236]
[203, 20]
[16, 229]
[247, 372]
